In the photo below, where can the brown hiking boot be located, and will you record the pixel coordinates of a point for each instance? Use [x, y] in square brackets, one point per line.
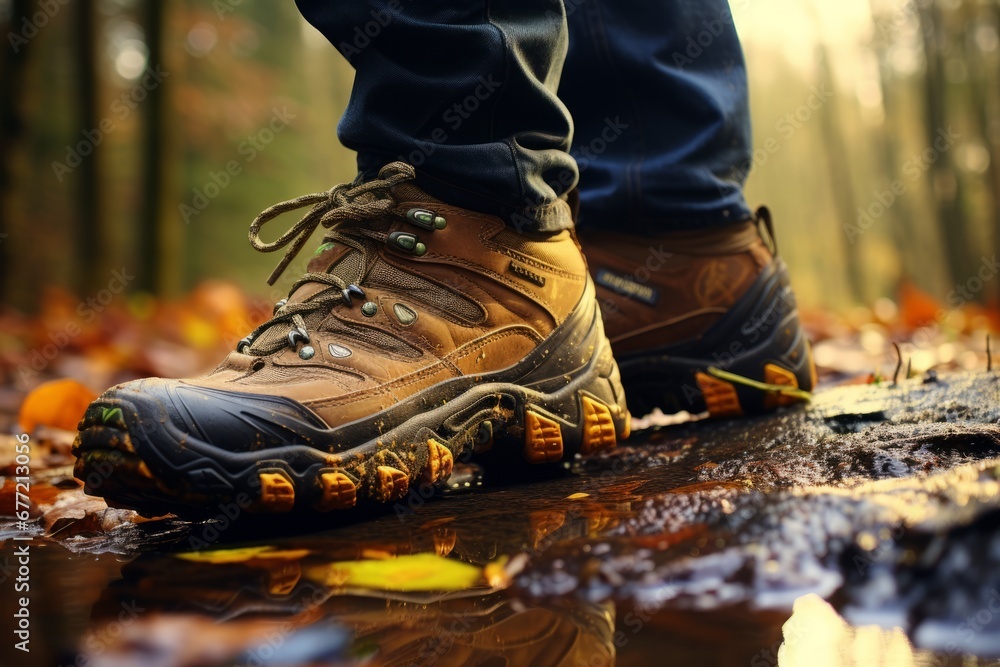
[420, 332]
[698, 319]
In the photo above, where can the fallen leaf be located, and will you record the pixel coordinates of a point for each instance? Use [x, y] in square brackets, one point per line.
[74, 513]
[417, 572]
[226, 556]
[916, 307]
[577, 496]
[58, 404]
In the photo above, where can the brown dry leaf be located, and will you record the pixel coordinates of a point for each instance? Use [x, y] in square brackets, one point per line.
[58, 404]
[916, 307]
[74, 512]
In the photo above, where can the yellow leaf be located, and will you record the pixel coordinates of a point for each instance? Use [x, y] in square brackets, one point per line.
[416, 572]
[226, 556]
[577, 496]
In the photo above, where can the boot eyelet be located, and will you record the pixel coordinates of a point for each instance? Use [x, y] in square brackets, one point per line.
[295, 336]
[369, 309]
[426, 219]
[279, 305]
[257, 365]
[352, 290]
[407, 242]
[244, 344]
[307, 352]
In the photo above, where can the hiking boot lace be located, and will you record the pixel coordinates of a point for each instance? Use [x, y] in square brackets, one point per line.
[347, 202]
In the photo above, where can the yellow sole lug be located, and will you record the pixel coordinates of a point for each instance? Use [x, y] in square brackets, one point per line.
[774, 374]
[598, 427]
[720, 396]
[543, 442]
[339, 492]
[439, 462]
[277, 493]
[392, 484]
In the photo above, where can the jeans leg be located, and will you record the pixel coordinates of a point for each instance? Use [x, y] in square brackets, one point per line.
[463, 91]
[658, 93]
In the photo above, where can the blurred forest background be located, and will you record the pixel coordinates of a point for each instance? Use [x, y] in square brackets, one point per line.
[147, 135]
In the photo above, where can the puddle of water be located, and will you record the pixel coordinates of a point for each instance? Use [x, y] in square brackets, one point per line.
[706, 521]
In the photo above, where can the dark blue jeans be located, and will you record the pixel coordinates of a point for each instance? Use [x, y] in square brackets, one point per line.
[482, 96]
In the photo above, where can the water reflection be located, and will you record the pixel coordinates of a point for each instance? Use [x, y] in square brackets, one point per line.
[279, 611]
[282, 610]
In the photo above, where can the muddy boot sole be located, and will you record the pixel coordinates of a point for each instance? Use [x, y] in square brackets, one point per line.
[564, 399]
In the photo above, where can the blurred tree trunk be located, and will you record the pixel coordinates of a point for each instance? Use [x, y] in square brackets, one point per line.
[945, 185]
[148, 269]
[985, 105]
[838, 167]
[89, 256]
[12, 67]
[159, 237]
[902, 222]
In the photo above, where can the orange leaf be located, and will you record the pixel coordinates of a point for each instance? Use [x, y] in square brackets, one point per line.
[916, 308]
[59, 404]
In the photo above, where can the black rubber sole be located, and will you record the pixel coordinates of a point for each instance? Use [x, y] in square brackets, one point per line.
[760, 338]
[131, 451]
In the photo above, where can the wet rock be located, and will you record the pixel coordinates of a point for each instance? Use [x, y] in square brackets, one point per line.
[921, 552]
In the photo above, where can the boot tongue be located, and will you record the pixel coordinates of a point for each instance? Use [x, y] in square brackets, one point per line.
[339, 259]
[327, 256]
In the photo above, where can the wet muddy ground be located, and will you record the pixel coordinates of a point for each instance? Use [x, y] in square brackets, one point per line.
[862, 530]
